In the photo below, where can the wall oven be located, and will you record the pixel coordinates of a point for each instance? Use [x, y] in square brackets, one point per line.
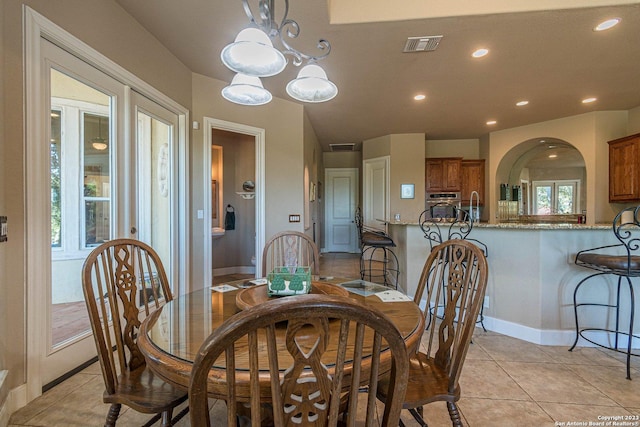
[443, 207]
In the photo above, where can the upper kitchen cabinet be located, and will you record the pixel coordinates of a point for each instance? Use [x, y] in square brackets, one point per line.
[443, 174]
[624, 169]
[472, 179]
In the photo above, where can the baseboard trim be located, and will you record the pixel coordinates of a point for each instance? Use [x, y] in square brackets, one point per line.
[16, 399]
[551, 337]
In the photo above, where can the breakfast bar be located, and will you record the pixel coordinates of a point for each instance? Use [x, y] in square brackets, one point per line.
[532, 275]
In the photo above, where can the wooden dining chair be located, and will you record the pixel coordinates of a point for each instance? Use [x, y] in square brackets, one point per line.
[123, 281]
[305, 388]
[287, 246]
[453, 309]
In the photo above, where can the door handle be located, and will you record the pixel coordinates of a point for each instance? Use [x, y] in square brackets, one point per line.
[134, 230]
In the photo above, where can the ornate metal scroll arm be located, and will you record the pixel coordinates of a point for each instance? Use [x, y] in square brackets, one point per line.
[286, 29]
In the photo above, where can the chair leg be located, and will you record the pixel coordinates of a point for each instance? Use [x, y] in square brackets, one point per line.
[166, 418]
[112, 415]
[454, 414]
[417, 415]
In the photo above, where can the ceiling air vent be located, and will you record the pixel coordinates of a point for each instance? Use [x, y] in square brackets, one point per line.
[422, 44]
[342, 147]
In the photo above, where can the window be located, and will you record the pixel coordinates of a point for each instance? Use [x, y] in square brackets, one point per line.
[556, 197]
[80, 174]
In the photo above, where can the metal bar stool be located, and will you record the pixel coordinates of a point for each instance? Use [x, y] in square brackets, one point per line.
[378, 262]
[619, 260]
[439, 230]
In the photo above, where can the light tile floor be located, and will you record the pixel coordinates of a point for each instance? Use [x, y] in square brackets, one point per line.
[505, 382]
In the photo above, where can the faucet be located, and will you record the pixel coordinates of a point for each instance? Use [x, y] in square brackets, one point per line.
[474, 214]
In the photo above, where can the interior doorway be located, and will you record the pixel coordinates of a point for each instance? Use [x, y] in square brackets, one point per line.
[341, 234]
[235, 210]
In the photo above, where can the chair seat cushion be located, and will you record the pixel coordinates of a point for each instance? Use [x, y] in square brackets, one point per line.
[615, 263]
[145, 392]
[375, 239]
[427, 383]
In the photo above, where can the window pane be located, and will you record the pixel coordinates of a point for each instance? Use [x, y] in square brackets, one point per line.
[96, 183]
[565, 199]
[96, 222]
[56, 195]
[543, 200]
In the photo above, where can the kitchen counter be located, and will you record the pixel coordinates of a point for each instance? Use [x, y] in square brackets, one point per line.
[532, 274]
[523, 225]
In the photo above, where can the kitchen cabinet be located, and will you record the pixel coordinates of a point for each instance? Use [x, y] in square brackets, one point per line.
[442, 174]
[472, 179]
[624, 169]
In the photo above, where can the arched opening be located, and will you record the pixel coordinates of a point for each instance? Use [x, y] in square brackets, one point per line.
[542, 179]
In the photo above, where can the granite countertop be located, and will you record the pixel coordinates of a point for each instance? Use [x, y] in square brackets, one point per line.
[525, 225]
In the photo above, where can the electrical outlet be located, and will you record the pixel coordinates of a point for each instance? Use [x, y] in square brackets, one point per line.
[3, 228]
[294, 218]
[486, 302]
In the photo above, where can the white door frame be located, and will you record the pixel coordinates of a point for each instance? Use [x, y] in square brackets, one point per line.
[37, 248]
[259, 135]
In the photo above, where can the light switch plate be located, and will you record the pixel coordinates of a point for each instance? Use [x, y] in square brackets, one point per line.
[294, 218]
[3, 228]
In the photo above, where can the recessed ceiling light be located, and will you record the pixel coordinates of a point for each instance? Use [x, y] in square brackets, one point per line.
[553, 156]
[480, 53]
[589, 100]
[419, 97]
[492, 122]
[605, 25]
[521, 103]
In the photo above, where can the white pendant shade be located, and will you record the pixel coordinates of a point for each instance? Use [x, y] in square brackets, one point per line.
[312, 85]
[253, 54]
[246, 90]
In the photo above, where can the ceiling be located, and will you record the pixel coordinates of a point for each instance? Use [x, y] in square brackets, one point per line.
[551, 58]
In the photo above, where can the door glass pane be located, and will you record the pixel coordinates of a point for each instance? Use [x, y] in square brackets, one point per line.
[154, 141]
[566, 198]
[80, 171]
[543, 200]
[56, 175]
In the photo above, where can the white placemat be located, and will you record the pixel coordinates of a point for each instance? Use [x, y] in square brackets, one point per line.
[393, 296]
[223, 288]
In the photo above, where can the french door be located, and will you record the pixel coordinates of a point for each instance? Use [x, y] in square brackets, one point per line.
[110, 173]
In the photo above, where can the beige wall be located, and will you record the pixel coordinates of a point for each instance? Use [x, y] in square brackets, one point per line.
[3, 254]
[465, 148]
[119, 37]
[588, 132]
[284, 165]
[376, 147]
[634, 121]
[350, 159]
[407, 167]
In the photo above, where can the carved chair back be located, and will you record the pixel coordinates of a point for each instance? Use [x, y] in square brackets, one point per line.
[287, 247]
[123, 281]
[305, 388]
[462, 267]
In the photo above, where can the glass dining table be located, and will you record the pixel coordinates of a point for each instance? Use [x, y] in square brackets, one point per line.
[171, 336]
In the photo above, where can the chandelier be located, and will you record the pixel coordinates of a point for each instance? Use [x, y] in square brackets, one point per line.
[98, 142]
[252, 56]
